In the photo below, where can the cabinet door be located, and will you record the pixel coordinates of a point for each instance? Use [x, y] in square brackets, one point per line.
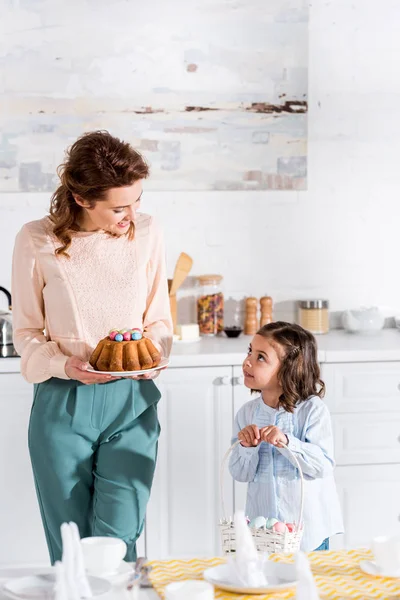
[369, 496]
[367, 438]
[22, 535]
[362, 387]
[241, 395]
[195, 413]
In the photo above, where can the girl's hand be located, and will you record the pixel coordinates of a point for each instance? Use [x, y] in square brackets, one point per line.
[249, 436]
[273, 435]
[76, 369]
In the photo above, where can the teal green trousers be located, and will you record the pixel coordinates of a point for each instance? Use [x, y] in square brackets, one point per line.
[93, 450]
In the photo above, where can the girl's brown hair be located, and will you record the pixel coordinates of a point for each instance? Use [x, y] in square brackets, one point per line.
[299, 373]
[95, 163]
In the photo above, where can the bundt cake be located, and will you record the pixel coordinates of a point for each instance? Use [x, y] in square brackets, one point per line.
[125, 350]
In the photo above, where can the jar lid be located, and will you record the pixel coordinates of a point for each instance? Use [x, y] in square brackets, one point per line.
[314, 303]
[204, 279]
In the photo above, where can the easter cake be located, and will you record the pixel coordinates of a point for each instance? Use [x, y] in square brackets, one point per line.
[125, 350]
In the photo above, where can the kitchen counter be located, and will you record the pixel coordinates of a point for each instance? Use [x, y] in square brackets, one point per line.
[335, 347]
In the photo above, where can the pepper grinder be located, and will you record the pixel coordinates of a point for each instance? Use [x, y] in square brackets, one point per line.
[266, 310]
[250, 323]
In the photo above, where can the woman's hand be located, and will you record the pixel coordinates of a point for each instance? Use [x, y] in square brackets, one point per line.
[151, 375]
[249, 436]
[273, 435]
[76, 369]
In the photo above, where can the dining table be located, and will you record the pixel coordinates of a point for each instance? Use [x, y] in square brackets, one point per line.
[339, 575]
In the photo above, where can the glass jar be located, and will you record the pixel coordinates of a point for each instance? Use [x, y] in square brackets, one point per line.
[314, 315]
[210, 305]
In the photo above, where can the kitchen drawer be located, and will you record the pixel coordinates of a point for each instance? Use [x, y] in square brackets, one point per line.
[367, 438]
[362, 387]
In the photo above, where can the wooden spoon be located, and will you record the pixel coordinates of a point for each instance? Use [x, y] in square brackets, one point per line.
[182, 270]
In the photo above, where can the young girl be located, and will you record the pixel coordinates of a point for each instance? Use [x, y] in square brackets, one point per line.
[282, 366]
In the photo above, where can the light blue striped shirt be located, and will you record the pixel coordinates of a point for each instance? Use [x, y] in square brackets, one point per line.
[273, 481]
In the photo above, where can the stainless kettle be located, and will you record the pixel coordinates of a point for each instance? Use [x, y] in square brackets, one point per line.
[6, 330]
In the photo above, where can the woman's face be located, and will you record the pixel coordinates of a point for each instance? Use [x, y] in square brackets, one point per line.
[115, 213]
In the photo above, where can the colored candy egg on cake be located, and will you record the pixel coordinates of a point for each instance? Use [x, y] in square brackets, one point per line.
[258, 523]
[279, 527]
[136, 334]
[112, 333]
[119, 337]
[126, 336]
[271, 522]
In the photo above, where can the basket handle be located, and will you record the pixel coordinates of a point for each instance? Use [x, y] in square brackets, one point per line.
[224, 460]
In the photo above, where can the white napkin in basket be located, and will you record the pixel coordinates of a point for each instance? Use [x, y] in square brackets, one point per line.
[246, 567]
[306, 588]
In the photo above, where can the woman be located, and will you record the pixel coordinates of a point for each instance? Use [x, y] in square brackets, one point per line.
[94, 264]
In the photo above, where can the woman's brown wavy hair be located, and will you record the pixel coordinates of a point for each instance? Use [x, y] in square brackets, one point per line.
[299, 373]
[95, 163]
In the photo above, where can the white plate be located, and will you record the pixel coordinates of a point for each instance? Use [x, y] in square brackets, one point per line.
[41, 587]
[162, 364]
[371, 568]
[120, 575]
[280, 576]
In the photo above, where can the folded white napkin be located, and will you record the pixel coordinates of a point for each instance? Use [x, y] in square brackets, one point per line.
[71, 580]
[61, 590]
[306, 588]
[246, 568]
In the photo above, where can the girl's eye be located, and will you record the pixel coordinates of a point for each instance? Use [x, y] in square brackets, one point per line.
[118, 211]
[260, 357]
[249, 350]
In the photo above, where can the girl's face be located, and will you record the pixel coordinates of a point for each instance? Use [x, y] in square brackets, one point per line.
[115, 213]
[261, 365]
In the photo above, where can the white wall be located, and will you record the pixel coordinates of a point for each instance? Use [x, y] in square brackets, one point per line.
[338, 240]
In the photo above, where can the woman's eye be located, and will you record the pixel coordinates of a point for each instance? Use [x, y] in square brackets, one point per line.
[249, 350]
[260, 357]
[118, 211]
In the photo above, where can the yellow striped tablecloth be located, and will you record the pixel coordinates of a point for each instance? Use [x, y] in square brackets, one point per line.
[337, 574]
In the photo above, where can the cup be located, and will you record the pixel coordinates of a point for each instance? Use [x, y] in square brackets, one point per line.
[103, 555]
[386, 550]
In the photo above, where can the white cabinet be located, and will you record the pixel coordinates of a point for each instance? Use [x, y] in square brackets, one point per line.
[22, 536]
[362, 387]
[196, 414]
[364, 400]
[241, 395]
[369, 497]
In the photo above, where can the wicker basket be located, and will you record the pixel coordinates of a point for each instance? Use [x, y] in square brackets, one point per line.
[266, 540]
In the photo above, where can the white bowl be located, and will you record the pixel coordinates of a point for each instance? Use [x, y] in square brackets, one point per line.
[364, 320]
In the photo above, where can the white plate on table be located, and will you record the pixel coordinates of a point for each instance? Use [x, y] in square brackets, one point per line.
[41, 587]
[280, 577]
[121, 575]
[371, 568]
[162, 364]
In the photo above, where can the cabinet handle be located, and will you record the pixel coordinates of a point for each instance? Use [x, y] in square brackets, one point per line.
[225, 380]
[238, 380]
